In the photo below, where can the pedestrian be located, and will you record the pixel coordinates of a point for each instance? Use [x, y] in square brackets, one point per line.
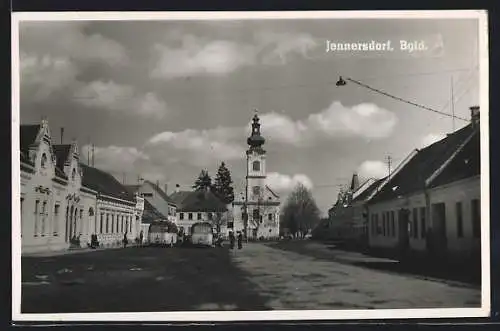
[141, 238]
[240, 240]
[125, 240]
[231, 240]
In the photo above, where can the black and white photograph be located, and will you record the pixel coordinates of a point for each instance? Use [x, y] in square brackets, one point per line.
[232, 166]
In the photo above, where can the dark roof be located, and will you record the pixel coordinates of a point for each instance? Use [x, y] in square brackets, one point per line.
[27, 136]
[150, 213]
[369, 190]
[132, 188]
[161, 192]
[62, 152]
[104, 183]
[198, 201]
[465, 164]
[411, 178]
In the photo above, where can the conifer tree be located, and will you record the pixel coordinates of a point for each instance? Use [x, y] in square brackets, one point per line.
[203, 182]
[223, 184]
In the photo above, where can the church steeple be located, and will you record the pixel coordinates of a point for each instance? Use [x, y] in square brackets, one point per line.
[255, 141]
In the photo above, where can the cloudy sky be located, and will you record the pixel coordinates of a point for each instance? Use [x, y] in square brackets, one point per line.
[165, 99]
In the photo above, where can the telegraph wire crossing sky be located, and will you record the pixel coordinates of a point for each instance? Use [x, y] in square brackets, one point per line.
[163, 100]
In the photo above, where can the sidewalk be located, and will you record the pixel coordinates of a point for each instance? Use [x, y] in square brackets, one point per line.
[73, 251]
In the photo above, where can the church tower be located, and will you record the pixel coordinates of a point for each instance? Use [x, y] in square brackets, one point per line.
[256, 163]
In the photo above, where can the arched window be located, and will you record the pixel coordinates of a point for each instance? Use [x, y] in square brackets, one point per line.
[256, 166]
[256, 190]
[73, 174]
[91, 211]
[43, 163]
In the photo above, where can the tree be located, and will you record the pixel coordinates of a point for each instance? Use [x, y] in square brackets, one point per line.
[223, 184]
[203, 182]
[301, 213]
[218, 220]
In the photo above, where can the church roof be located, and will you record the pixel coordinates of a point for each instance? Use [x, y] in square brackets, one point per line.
[104, 183]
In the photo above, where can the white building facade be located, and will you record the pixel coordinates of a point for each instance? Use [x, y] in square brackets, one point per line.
[63, 202]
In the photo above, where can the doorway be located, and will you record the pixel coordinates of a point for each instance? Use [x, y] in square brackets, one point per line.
[439, 238]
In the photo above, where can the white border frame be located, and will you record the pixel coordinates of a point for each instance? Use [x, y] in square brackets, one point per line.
[484, 311]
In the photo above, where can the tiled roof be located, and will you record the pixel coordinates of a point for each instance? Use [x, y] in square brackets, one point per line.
[104, 183]
[369, 190]
[465, 164]
[198, 201]
[150, 213]
[411, 178]
[27, 136]
[161, 192]
[62, 152]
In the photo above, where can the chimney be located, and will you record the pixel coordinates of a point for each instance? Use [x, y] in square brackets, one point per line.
[177, 188]
[354, 182]
[62, 135]
[474, 115]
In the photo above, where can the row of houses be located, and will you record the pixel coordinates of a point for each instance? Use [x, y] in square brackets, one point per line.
[430, 204]
[65, 203]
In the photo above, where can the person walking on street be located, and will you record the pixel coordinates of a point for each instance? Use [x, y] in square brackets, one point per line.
[231, 240]
[141, 238]
[240, 240]
[125, 240]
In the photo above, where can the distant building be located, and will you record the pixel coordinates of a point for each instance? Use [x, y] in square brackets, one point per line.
[64, 202]
[431, 202]
[157, 198]
[199, 206]
[259, 207]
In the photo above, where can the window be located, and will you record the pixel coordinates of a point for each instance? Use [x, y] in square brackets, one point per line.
[460, 220]
[44, 208]
[81, 220]
[270, 217]
[126, 223]
[383, 224]
[256, 215]
[256, 166]
[230, 225]
[37, 203]
[210, 216]
[379, 229]
[181, 216]
[107, 223]
[190, 216]
[415, 223]
[373, 225]
[56, 219]
[393, 224]
[121, 225]
[43, 162]
[73, 174]
[256, 190]
[476, 218]
[112, 228]
[423, 226]
[198, 216]
[101, 223]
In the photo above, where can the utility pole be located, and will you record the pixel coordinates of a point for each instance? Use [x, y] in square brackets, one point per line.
[389, 163]
[88, 153]
[93, 155]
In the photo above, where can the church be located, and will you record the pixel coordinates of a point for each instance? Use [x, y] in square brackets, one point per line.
[256, 212]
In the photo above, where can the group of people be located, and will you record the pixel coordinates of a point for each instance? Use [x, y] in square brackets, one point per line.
[233, 238]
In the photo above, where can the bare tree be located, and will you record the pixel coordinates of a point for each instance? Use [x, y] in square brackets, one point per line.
[301, 213]
[218, 221]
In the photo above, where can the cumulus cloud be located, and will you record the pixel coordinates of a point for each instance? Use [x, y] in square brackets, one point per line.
[41, 76]
[117, 158]
[52, 54]
[120, 98]
[430, 139]
[184, 55]
[198, 147]
[285, 183]
[363, 120]
[373, 169]
[70, 40]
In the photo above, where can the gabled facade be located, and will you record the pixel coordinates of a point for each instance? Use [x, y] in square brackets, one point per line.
[432, 203]
[157, 198]
[61, 198]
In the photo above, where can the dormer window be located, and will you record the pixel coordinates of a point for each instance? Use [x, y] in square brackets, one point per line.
[256, 166]
[73, 174]
[43, 163]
